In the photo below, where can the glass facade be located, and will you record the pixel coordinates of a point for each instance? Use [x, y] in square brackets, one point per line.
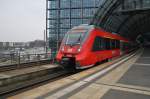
[65, 14]
[136, 4]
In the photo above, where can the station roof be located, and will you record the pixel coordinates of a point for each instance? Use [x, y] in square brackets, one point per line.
[129, 18]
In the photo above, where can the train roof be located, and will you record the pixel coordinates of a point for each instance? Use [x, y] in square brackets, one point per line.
[109, 35]
[84, 26]
[105, 33]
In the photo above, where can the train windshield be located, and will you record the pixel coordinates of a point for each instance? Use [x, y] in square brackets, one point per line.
[75, 37]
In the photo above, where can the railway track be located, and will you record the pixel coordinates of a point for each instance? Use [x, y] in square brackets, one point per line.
[28, 80]
[24, 65]
[54, 73]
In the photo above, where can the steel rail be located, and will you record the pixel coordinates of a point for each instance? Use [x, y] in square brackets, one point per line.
[24, 65]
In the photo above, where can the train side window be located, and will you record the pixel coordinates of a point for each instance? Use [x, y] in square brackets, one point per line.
[103, 44]
[113, 44]
[97, 44]
[127, 46]
[124, 46]
[107, 42]
[117, 44]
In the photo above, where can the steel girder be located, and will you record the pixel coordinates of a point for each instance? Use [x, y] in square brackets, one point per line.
[129, 25]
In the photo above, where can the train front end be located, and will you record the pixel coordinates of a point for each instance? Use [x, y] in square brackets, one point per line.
[71, 49]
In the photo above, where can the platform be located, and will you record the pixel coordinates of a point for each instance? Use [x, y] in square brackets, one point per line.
[129, 78]
[18, 78]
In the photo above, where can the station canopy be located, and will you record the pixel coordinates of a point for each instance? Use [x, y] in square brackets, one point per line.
[128, 18]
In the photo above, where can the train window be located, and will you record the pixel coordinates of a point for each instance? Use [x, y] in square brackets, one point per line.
[125, 45]
[103, 44]
[99, 44]
[113, 44]
[107, 42]
[117, 44]
[96, 45]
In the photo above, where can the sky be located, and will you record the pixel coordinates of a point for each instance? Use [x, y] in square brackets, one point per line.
[22, 20]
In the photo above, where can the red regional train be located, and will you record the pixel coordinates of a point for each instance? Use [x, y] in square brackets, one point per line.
[85, 45]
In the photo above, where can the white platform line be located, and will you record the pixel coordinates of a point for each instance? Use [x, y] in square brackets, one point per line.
[145, 57]
[71, 88]
[141, 64]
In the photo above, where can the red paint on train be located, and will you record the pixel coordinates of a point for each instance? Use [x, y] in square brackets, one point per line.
[85, 45]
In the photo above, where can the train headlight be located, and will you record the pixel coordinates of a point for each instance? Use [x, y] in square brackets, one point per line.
[62, 49]
[79, 49]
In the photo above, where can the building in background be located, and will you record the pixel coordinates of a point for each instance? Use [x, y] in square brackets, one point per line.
[65, 14]
[19, 45]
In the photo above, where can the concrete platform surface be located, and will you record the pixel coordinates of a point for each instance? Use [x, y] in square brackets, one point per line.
[15, 79]
[117, 94]
[139, 73]
[12, 73]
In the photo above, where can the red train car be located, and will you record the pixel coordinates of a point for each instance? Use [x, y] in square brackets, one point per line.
[85, 45]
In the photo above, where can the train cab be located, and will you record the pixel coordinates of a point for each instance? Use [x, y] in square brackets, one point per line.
[72, 46]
